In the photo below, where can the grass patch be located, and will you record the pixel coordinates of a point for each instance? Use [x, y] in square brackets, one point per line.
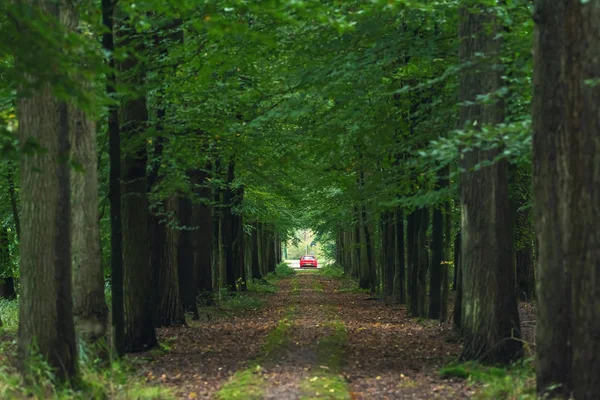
[9, 313]
[514, 382]
[249, 383]
[246, 384]
[283, 270]
[326, 386]
[261, 286]
[317, 286]
[117, 381]
[332, 271]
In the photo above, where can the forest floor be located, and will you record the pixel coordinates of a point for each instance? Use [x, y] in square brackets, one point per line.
[316, 337]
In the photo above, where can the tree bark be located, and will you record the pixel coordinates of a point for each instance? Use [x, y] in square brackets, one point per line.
[169, 308]
[437, 255]
[254, 262]
[412, 222]
[202, 237]
[7, 281]
[447, 258]
[490, 320]
[457, 317]
[114, 146]
[422, 262]
[89, 306]
[553, 319]
[138, 303]
[581, 157]
[46, 309]
[389, 254]
[399, 269]
[185, 256]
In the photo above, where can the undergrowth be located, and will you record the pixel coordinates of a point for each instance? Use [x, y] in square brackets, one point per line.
[514, 382]
[283, 270]
[115, 381]
[332, 271]
[9, 313]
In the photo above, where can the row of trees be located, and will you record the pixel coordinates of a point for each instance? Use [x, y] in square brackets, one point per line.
[225, 125]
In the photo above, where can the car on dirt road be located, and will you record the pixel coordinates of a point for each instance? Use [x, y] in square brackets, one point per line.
[308, 262]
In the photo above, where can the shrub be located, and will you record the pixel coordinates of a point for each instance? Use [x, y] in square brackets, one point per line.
[283, 270]
[9, 313]
[332, 271]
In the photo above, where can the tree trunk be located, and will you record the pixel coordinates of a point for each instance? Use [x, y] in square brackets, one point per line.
[490, 319]
[422, 261]
[364, 273]
[447, 258]
[399, 270]
[169, 310]
[114, 146]
[437, 255]
[89, 306]
[388, 245]
[458, 272]
[553, 319]
[7, 282]
[185, 259]
[254, 254]
[202, 238]
[138, 292]
[10, 180]
[412, 222]
[46, 309]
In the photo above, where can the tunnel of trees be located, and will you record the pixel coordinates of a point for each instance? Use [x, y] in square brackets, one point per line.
[156, 153]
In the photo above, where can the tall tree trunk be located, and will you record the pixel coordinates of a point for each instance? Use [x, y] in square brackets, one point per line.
[437, 255]
[114, 149]
[202, 237]
[457, 317]
[89, 306]
[254, 254]
[582, 156]
[7, 282]
[412, 222]
[399, 270]
[447, 258]
[490, 320]
[388, 245]
[46, 309]
[422, 261]
[553, 319]
[10, 180]
[138, 292]
[185, 259]
[364, 270]
[169, 310]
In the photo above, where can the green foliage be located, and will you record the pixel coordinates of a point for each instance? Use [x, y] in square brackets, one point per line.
[116, 381]
[515, 382]
[283, 270]
[236, 302]
[9, 313]
[245, 384]
[261, 286]
[332, 271]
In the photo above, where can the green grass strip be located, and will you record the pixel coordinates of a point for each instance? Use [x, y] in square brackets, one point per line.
[249, 382]
[327, 383]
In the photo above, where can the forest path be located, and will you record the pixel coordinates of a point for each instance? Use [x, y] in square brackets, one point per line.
[316, 338]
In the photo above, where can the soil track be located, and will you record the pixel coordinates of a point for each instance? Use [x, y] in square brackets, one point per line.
[384, 354]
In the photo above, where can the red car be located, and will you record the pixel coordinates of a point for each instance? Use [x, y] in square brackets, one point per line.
[308, 262]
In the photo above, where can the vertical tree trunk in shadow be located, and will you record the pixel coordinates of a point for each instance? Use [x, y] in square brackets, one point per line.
[185, 255]
[412, 222]
[437, 253]
[490, 320]
[389, 254]
[254, 254]
[138, 292]
[422, 261]
[202, 237]
[399, 269]
[169, 311]
[46, 329]
[7, 282]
